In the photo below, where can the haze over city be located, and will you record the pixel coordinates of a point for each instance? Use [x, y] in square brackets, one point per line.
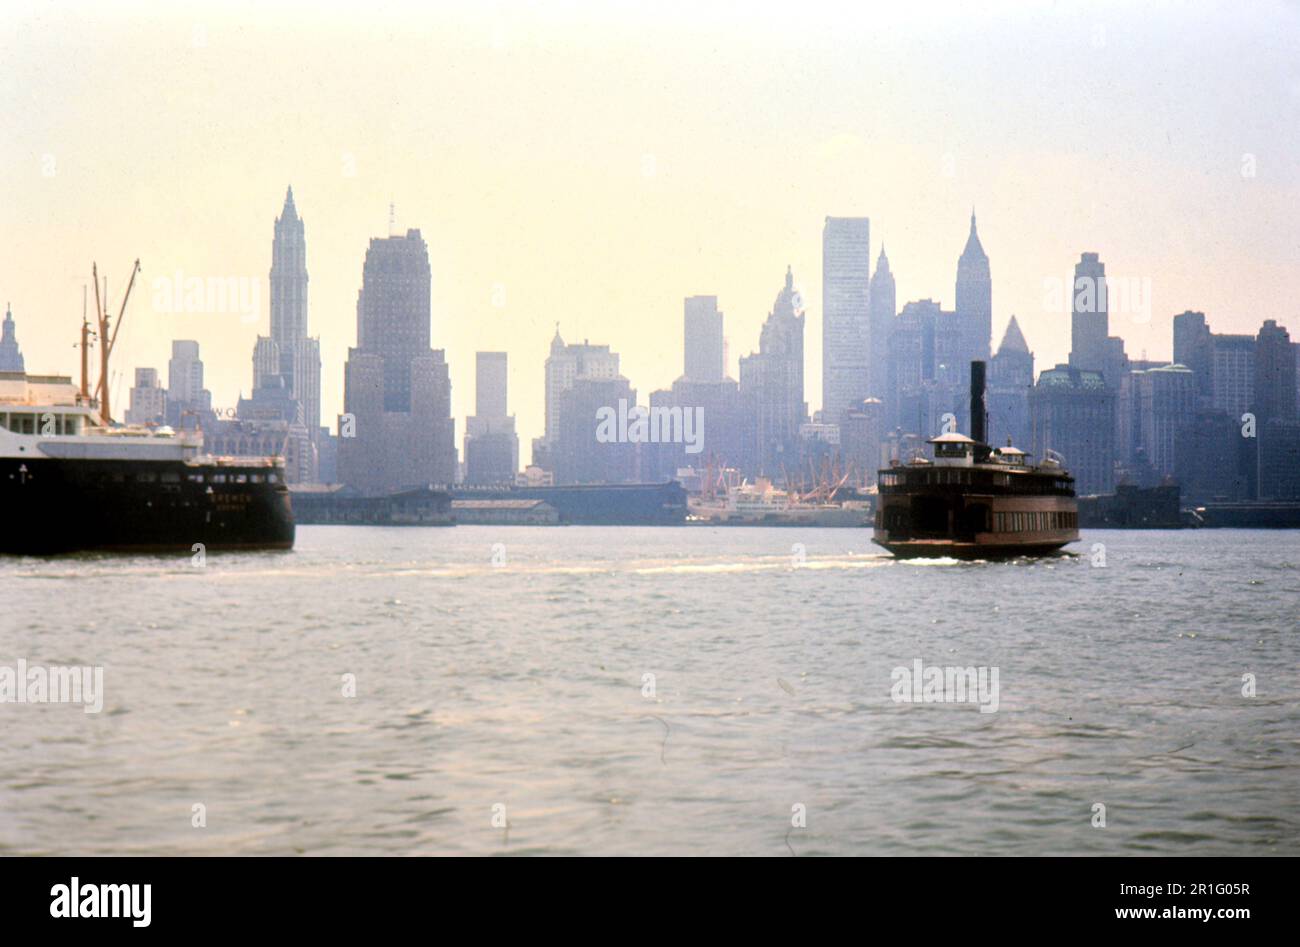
[593, 166]
[595, 428]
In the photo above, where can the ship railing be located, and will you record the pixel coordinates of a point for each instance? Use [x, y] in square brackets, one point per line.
[229, 460]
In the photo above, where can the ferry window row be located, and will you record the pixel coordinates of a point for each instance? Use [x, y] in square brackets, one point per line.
[1023, 522]
[979, 479]
[233, 478]
[172, 476]
[44, 424]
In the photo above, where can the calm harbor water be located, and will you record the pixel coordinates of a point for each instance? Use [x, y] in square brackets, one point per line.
[501, 674]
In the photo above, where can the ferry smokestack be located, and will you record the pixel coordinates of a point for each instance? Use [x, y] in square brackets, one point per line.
[978, 415]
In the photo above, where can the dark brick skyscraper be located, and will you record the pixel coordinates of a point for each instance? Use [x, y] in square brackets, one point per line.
[397, 390]
[1275, 368]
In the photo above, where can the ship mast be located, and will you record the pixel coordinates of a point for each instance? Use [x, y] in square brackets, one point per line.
[85, 349]
[106, 337]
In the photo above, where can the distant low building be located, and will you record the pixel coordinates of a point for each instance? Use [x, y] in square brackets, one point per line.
[534, 476]
[505, 512]
[861, 434]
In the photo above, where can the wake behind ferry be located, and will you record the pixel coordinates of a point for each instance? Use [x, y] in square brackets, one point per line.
[975, 502]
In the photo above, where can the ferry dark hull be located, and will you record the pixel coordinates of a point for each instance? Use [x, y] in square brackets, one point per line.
[969, 551]
[52, 506]
[979, 513]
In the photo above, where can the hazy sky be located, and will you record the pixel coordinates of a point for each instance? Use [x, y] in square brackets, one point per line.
[594, 163]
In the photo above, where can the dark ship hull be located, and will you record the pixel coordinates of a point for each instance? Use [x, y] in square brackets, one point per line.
[58, 505]
[968, 552]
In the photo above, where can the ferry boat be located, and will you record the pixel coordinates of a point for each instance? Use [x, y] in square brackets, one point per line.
[975, 502]
[70, 482]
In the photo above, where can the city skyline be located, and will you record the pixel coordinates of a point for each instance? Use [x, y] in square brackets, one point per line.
[1180, 211]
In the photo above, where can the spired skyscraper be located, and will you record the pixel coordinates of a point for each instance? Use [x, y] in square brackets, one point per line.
[396, 431]
[847, 342]
[11, 357]
[288, 283]
[299, 353]
[286, 364]
[1011, 376]
[884, 308]
[771, 387]
[974, 298]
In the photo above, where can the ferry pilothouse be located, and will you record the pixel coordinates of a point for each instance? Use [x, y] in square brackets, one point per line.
[975, 502]
[69, 482]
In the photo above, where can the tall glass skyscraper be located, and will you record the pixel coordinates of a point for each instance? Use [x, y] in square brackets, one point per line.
[846, 319]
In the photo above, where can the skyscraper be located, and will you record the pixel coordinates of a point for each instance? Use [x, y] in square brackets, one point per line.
[566, 364]
[883, 309]
[490, 382]
[1089, 315]
[974, 304]
[927, 370]
[306, 383]
[184, 372]
[704, 348]
[11, 357]
[1167, 405]
[189, 404]
[148, 399]
[1278, 441]
[1011, 376]
[266, 361]
[771, 386]
[1192, 347]
[579, 455]
[1223, 365]
[1072, 413]
[846, 323]
[705, 390]
[1275, 367]
[397, 390]
[394, 320]
[491, 444]
[288, 283]
[295, 355]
